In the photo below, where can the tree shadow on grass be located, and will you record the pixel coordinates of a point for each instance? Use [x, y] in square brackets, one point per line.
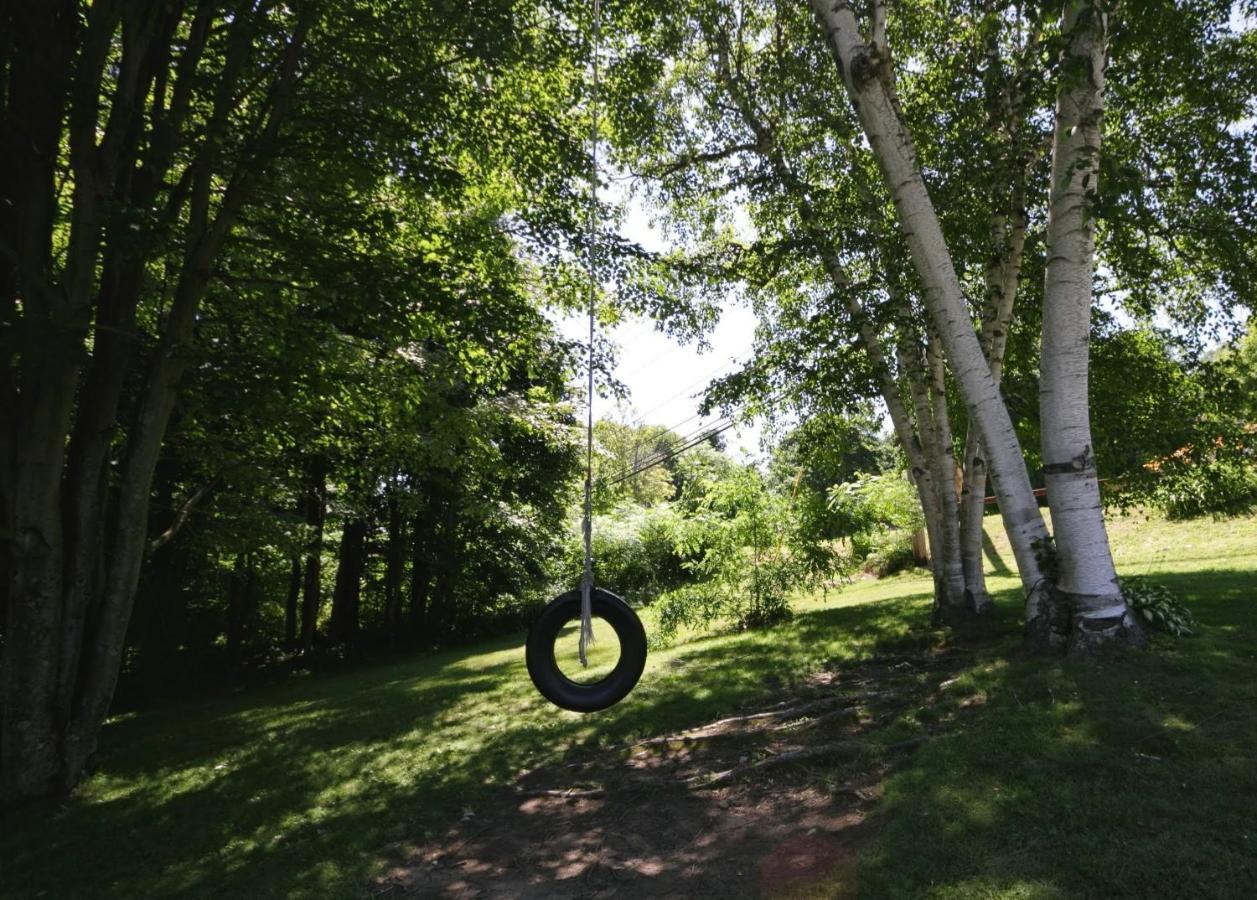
[998, 566]
[295, 790]
[1047, 779]
[1135, 778]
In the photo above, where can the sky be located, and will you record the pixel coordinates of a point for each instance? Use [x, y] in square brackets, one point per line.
[665, 378]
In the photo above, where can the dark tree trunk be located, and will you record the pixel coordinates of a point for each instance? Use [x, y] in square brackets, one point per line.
[316, 510]
[447, 566]
[420, 576]
[38, 402]
[394, 554]
[160, 626]
[241, 602]
[291, 603]
[347, 596]
[70, 599]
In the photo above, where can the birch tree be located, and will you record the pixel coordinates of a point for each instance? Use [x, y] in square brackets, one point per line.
[768, 127]
[1084, 564]
[867, 76]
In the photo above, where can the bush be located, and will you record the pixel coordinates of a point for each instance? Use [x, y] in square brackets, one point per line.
[891, 553]
[635, 553]
[1219, 487]
[888, 512]
[736, 549]
[691, 606]
[1157, 605]
[707, 603]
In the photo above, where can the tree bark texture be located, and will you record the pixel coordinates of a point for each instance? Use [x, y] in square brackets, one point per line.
[122, 96]
[1085, 573]
[893, 150]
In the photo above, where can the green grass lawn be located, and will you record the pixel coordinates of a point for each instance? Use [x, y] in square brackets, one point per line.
[1137, 778]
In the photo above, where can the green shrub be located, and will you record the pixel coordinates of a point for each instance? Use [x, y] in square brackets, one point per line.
[635, 553]
[891, 553]
[735, 540]
[887, 510]
[1157, 605]
[1220, 486]
[692, 606]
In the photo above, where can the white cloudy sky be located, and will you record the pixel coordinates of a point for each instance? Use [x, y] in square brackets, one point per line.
[666, 379]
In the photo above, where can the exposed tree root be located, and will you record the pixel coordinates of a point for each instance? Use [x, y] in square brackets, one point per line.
[723, 727]
[844, 749]
[845, 713]
[563, 793]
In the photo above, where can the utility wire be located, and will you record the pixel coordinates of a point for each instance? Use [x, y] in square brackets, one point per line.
[672, 454]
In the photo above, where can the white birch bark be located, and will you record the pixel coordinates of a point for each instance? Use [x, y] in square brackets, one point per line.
[1085, 568]
[935, 436]
[921, 440]
[1007, 244]
[892, 147]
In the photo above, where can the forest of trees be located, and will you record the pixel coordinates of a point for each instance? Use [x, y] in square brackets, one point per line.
[281, 377]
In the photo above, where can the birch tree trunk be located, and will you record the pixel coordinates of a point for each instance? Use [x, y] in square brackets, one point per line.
[941, 514]
[1006, 246]
[923, 432]
[1086, 575]
[896, 157]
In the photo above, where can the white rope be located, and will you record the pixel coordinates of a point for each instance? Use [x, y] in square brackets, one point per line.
[587, 578]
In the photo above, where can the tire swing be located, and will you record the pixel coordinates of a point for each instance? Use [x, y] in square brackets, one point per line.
[587, 601]
[581, 696]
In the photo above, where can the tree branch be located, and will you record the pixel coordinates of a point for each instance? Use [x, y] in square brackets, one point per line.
[181, 517]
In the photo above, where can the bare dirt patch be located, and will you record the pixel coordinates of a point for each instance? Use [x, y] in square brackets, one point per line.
[766, 803]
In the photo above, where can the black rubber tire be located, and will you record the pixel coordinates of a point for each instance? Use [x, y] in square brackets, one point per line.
[544, 669]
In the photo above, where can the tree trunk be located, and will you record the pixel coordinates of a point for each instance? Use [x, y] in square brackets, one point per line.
[1085, 571]
[915, 439]
[896, 157]
[37, 416]
[347, 595]
[420, 576]
[160, 625]
[394, 555]
[925, 384]
[1006, 238]
[70, 599]
[291, 601]
[447, 566]
[241, 599]
[316, 510]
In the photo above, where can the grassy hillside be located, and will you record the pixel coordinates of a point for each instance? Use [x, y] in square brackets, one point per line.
[1049, 780]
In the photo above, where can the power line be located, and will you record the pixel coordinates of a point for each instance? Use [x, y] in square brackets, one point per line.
[683, 391]
[667, 351]
[703, 437]
[661, 455]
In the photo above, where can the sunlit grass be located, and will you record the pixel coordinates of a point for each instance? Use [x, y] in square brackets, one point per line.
[601, 655]
[1040, 789]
